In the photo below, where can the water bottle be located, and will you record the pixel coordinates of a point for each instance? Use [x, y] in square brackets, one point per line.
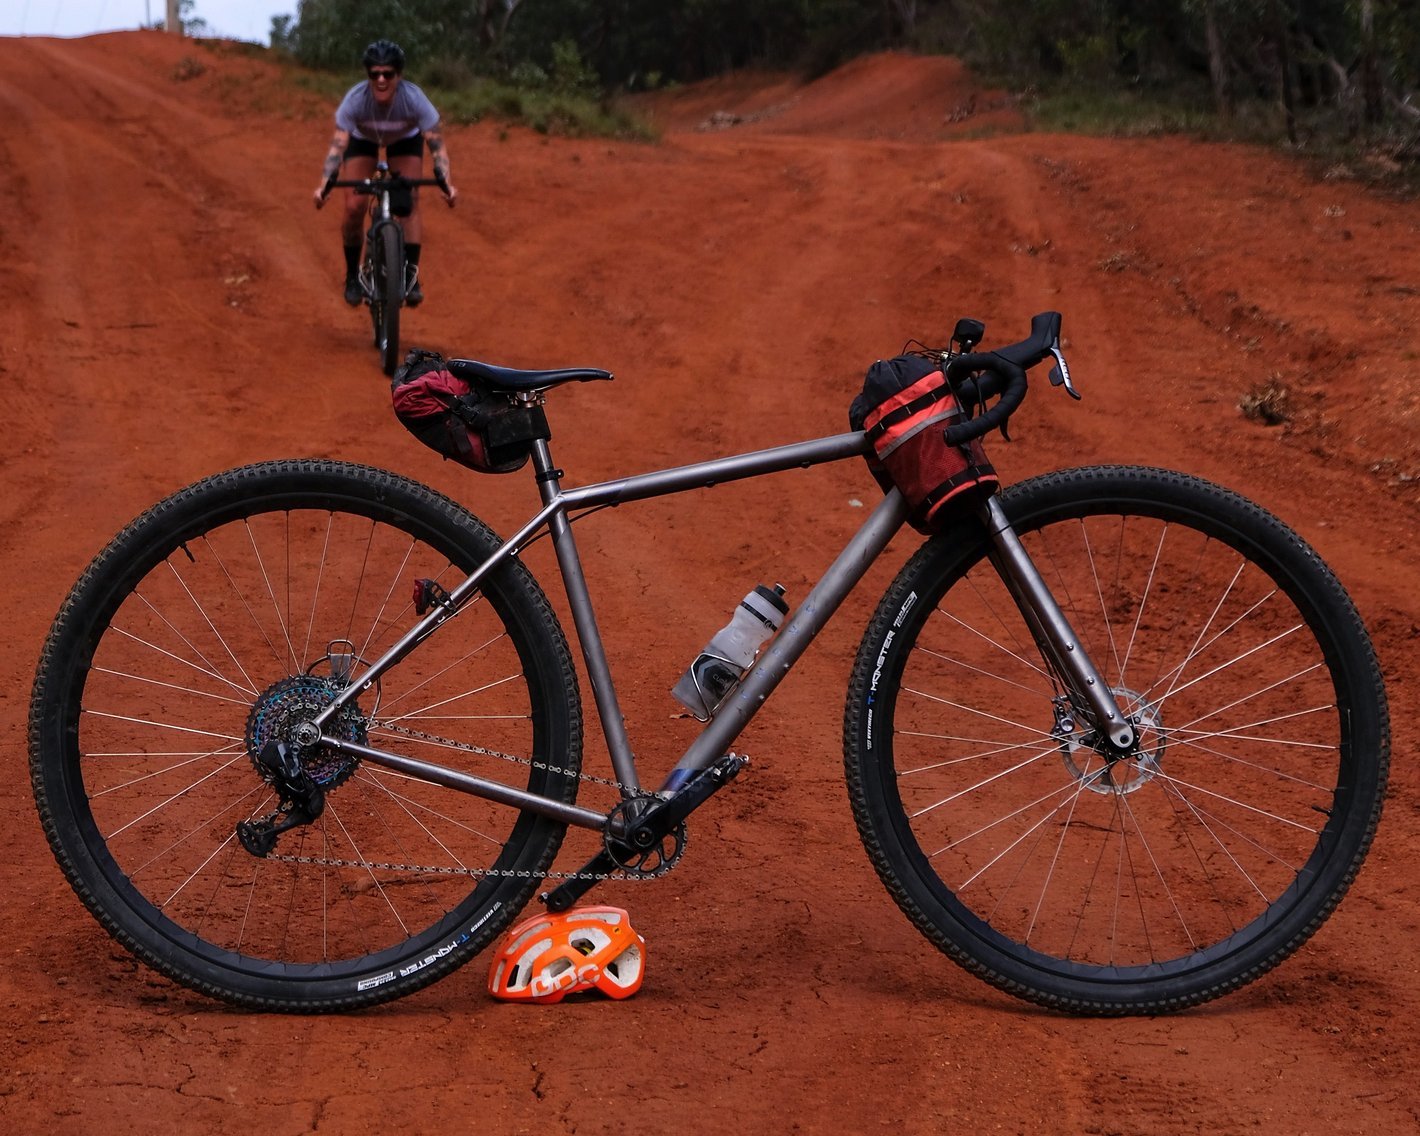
[717, 670]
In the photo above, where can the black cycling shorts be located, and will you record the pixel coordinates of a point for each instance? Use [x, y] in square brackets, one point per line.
[411, 147]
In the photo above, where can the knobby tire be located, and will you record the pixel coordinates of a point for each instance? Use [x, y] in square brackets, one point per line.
[390, 286]
[1154, 882]
[219, 620]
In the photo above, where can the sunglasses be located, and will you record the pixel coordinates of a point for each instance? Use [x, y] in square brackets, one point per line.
[382, 73]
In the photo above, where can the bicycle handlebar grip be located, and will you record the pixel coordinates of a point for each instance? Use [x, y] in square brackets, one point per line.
[1013, 390]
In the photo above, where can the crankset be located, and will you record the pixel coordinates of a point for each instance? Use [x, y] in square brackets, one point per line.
[651, 834]
[641, 851]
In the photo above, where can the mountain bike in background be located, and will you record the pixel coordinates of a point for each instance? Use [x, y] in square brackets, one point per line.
[383, 266]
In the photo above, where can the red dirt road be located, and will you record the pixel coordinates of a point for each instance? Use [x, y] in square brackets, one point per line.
[172, 308]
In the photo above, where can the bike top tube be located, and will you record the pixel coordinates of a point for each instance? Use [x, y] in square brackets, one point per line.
[1009, 365]
[639, 487]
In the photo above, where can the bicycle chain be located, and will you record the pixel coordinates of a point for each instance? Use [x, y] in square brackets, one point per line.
[509, 873]
[469, 747]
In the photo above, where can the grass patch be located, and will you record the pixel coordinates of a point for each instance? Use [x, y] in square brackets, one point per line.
[1140, 114]
[569, 113]
[464, 97]
[1387, 159]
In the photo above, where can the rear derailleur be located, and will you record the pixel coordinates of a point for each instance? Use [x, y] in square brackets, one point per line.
[301, 800]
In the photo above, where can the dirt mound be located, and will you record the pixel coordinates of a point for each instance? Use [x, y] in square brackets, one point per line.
[885, 96]
[173, 308]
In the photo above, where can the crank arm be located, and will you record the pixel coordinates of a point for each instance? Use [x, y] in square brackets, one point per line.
[663, 818]
[658, 822]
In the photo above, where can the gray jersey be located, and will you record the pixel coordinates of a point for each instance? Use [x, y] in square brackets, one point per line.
[409, 112]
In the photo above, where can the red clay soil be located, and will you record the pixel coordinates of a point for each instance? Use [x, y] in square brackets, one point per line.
[172, 308]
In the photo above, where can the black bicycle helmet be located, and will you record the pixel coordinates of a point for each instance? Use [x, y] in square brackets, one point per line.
[384, 53]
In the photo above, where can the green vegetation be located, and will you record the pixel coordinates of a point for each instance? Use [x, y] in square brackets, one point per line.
[1326, 76]
[528, 97]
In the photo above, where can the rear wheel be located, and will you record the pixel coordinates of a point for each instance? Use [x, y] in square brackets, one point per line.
[224, 619]
[1020, 845]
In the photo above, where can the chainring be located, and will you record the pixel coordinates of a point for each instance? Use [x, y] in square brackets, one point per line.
[642, 863]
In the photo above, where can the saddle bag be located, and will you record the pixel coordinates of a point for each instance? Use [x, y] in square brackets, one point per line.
[904, 409]
[458, 419]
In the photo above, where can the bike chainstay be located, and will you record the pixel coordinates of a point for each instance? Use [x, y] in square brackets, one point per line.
[435, 869]
[469, 747]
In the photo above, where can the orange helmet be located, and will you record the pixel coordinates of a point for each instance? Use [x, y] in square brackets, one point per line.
[546, 957]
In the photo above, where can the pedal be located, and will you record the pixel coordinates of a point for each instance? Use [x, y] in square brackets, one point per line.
[570, 891]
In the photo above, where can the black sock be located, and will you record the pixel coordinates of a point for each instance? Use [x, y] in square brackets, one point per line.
[352, 261]
[411, 253]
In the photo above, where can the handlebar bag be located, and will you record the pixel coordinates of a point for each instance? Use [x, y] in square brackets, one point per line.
[904, 410]
[463, 422]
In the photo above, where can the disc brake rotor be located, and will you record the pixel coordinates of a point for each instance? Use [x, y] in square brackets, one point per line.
[1084, 752]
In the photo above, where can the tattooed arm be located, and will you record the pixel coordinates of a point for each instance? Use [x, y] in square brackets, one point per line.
[434, 139]
[331, 167]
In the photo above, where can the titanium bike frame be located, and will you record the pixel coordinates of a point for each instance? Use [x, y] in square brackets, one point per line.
[1032, 596]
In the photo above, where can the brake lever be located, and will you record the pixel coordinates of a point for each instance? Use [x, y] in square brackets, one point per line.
[1060, 373]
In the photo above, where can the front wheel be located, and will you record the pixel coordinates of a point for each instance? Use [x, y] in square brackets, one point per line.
[387, 273]
[1058, 870]
[222, 620]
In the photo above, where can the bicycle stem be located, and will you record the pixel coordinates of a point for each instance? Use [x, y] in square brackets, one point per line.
[1051, 628]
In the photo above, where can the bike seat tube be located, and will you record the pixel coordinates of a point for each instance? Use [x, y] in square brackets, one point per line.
[549, 480]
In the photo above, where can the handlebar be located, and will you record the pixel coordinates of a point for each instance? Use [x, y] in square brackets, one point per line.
[978, 376]
[373, 185]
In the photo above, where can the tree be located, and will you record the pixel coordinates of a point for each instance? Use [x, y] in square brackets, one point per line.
[1217, 61]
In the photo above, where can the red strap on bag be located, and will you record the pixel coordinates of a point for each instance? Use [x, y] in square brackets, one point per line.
[939, 481]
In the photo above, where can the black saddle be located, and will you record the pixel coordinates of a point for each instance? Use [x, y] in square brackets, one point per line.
[513, 380]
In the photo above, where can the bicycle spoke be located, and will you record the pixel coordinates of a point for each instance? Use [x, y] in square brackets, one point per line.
[1019, 838]
[241, 610]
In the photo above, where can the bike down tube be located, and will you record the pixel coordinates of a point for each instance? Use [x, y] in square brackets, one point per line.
[788, 646]
[1043, 614]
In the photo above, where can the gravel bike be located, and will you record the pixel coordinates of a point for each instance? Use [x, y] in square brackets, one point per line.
[383, 267]
[307, 735]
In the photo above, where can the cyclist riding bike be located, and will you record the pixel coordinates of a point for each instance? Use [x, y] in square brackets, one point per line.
[387, 113]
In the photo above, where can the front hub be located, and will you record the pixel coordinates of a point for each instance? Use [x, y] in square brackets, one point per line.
[1098, 766]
